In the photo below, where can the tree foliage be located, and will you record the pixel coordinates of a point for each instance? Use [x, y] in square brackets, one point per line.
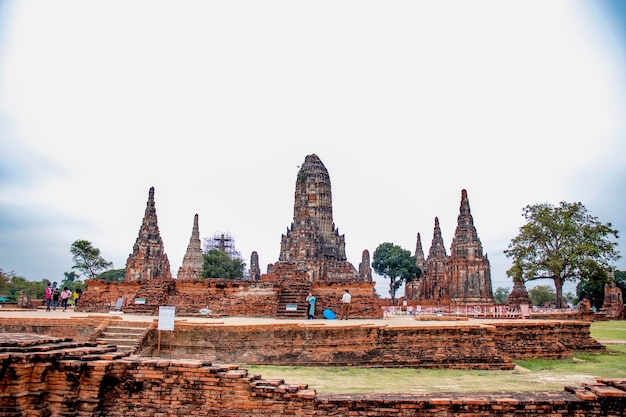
[542, 295]
[217, 264]
[87, 259]
[501, 294]
[396, 264]
[563, 243]
[12, 285]
[115, 275]
[593, 289]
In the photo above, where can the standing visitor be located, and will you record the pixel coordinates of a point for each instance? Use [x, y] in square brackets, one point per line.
[311, 311]
[65, 296]
[345, 305]
[55, 297]
[48, 296]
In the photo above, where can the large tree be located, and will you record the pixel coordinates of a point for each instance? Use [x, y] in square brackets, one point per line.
[217, 264]
[87, 259]
[396, 264]
[563, 243]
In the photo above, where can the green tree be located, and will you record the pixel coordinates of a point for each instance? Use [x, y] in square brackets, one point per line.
[593, 288]
[71, 276]
[542, 294]
[563, 243]
[217, 264]
[501, 294]
[115, 275]
[4, 282]
[396, 264]
[20, 285]
[87, 259]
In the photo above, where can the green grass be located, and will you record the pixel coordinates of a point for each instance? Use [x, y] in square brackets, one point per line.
[608, 330]
[529, 375]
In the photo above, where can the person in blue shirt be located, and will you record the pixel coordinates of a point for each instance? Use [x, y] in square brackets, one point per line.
[311, 311]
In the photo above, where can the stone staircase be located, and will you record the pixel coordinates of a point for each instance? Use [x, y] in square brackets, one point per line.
[127, 336]
[292, 299]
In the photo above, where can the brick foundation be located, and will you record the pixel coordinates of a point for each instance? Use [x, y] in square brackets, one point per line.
[47, 376]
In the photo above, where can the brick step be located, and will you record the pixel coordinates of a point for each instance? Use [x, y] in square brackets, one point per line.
[106, 335]
[124, 336]
[127, 330]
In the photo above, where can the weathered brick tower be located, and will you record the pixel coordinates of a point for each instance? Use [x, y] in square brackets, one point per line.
[312, 244]
[470, 271]
[434, 284]
[148, 260]
[191, 267]
[464, 277]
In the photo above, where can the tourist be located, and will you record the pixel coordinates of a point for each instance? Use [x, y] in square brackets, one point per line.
[76, 297]
[345, 305]
[48, 296]
[311, 311]
[65, 296]
[55, 297]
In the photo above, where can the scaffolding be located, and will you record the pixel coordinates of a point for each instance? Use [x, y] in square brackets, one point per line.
[224, 242]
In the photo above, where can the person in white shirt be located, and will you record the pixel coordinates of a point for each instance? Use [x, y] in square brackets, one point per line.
[345, 305]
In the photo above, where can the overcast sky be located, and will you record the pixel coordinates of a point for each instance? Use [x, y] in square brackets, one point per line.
[216, 105]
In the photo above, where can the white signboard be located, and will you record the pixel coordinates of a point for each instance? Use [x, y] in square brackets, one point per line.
[166, 318]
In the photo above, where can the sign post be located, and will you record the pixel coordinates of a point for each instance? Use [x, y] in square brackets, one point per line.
[166, 323]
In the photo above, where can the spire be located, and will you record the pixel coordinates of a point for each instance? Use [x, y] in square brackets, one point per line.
[465, 243]
[148, 260]
[419, 253]
[312, 235]
[470, 274]
[191, 267]
[437, 249]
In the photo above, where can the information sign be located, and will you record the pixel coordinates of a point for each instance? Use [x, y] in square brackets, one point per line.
[166, 318]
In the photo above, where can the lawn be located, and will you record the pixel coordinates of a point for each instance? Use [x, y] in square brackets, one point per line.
[528, 375]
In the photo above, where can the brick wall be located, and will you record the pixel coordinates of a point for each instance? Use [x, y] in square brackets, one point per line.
[462, 345]
[82, 381]
[466, 347]
[81, 328]
[226, 297]
[543, 339]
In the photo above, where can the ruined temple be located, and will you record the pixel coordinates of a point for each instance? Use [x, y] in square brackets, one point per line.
[255, 270]
[613, 305]
[191, 267]
[148, 260]
[434, 282]
[365, 268]
[519, 295]
[312, 244]
[464, 277]
[470, 271]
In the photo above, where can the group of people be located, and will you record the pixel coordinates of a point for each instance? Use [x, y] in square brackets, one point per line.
[54, 297]
[346, 300]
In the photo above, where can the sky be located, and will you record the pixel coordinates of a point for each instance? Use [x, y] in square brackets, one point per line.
[216, 105]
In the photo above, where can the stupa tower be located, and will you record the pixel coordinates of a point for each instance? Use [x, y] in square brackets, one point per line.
[148, 260]
[312, 243]
[191, 267]
[433, 284]
[411, 289]
[470, 272]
